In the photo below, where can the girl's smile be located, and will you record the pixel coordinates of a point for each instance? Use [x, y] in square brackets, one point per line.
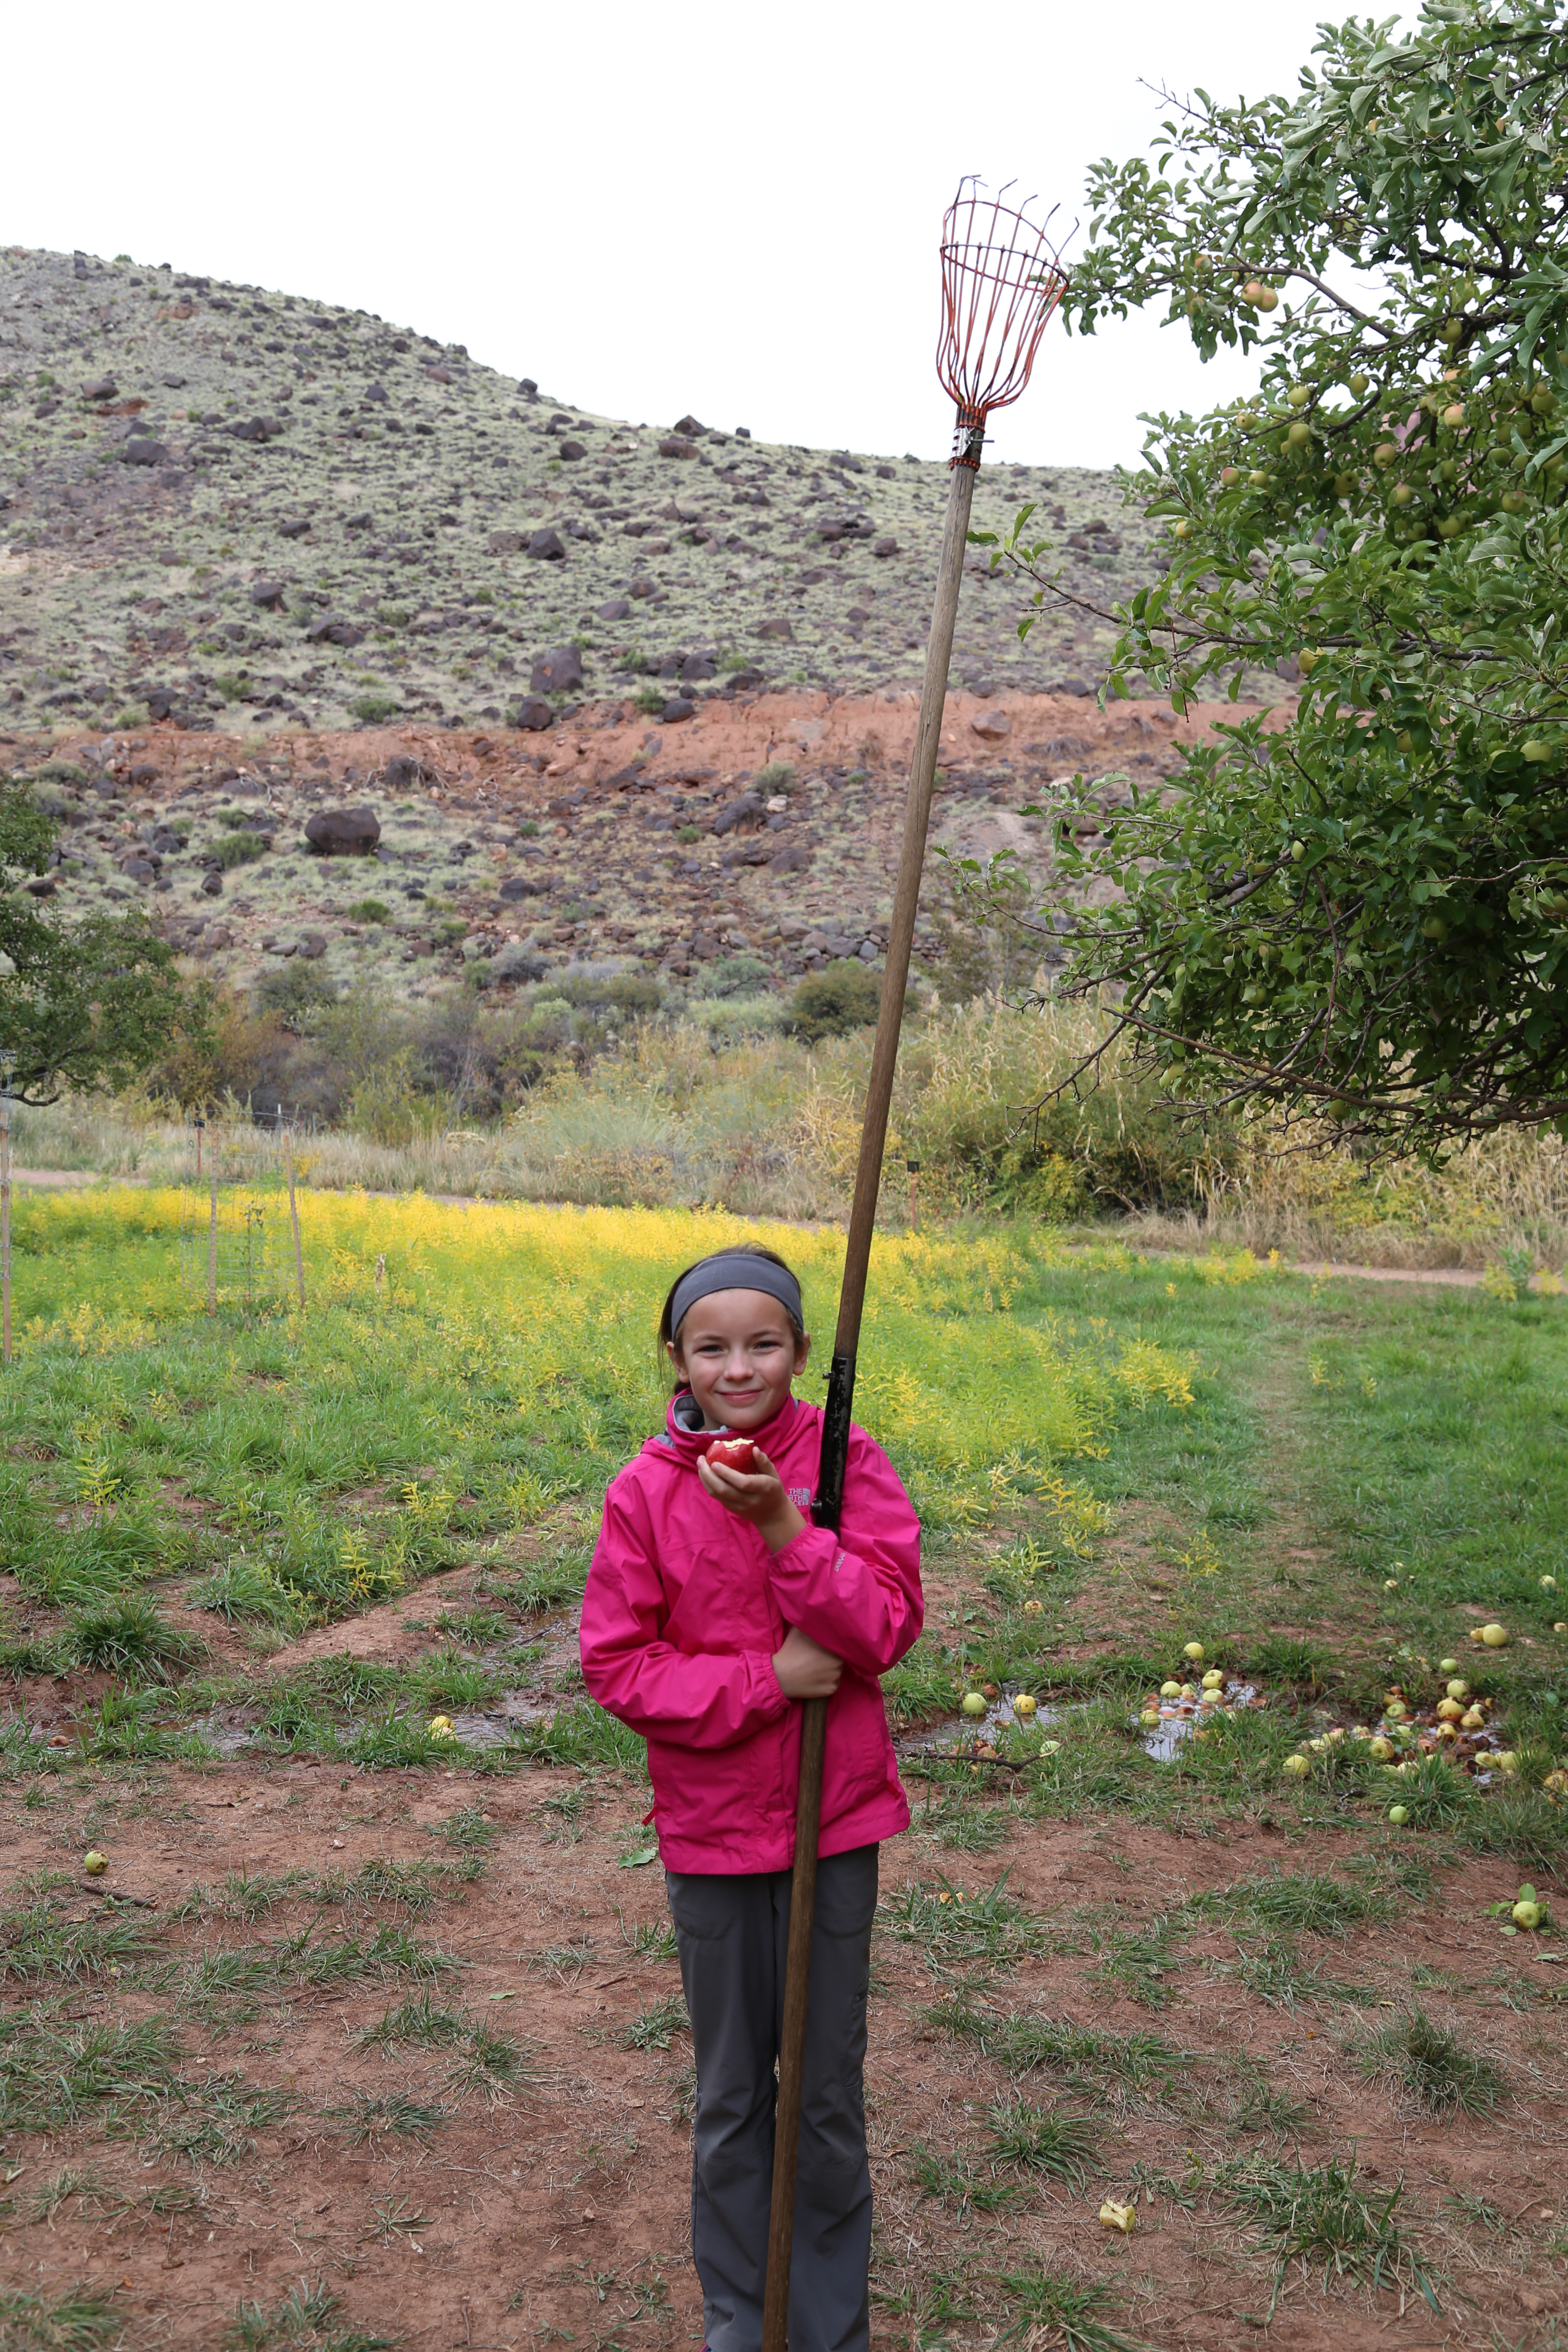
[737, 1350]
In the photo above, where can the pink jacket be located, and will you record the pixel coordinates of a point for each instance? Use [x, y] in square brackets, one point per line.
[684, 1609]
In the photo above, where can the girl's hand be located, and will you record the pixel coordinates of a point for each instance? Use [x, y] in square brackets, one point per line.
[757, 1494]
[805, 1669]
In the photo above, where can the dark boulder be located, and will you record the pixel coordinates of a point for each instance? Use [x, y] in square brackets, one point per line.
[102, 387]
[295, 527]
[547, 547]
[741, 815]
[698, 665]
[689, 426]
[332, 629]
[139, 451]
[675, 444]
[618, 609]
[572, 450]
[559, 671]
[269, 594]
[676, 709]
[343, 833]
[779, 628]
[533, 714]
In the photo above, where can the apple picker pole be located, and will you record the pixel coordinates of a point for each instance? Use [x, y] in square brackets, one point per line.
[1001, 280]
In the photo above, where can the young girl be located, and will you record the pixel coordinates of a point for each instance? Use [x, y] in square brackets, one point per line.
[713, 1604]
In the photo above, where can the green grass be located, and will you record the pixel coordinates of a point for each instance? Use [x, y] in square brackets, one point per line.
[1316, 2219]
[367, 2119]
[418, 2023]
[1058, 2145]
[82, 2319]
[655, 2026]
[36, 1945]
[956, 2183]
[954, 1927]
[216, 2122]
[57, 2073]
[1048, 2309]
[1431, 2064]
[304, 2321]
[1086, 2058]
[1305, 1902]
[128, 1636]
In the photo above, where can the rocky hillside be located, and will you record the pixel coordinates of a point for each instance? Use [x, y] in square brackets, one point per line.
[575, 700]
[217, 501]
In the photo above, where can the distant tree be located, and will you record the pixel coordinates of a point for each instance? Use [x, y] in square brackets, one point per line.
[83, 1004]
[830, 1002]
[1364, 913]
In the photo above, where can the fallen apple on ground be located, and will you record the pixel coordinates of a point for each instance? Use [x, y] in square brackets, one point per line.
[974, 1703]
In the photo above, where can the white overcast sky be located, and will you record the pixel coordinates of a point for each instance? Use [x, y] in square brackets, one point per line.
[650, 209]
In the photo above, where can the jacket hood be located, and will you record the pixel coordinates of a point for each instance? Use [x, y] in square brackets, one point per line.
[686, 1439]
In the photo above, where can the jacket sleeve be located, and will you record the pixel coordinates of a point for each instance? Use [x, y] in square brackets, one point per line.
[709, 1699]
[859, 1592]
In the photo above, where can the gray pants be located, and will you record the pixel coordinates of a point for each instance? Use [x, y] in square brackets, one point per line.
[733, 1933]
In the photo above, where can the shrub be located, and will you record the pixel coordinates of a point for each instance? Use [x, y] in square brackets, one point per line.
[294, 990]
[831, 1002]
[649, 701]
[778, 776]
[372, 708]
[733, 975]
[368, 910]
[232, 849]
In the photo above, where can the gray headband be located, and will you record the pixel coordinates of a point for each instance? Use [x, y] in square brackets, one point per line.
[735, 1270]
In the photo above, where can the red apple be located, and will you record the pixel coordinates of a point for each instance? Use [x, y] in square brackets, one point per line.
[734, 1452]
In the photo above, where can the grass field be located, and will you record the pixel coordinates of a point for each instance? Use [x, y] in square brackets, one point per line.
[368, 2033]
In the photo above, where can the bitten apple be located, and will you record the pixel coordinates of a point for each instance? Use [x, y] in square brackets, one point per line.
[733, 1453]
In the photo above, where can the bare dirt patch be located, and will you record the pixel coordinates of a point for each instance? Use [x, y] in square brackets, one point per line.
[556, 2200]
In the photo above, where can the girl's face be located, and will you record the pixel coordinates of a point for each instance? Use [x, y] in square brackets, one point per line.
[737, 1350]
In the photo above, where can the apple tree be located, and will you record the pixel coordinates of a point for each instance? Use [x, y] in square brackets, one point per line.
[1363, 913]
[83, 1004]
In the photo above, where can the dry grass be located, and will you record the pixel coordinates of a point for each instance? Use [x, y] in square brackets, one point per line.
[683, 1115]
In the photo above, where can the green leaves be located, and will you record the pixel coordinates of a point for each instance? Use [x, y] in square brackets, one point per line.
[1364, 912]
[89, 1004]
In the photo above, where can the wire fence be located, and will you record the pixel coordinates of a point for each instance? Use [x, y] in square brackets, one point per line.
[239, 1223]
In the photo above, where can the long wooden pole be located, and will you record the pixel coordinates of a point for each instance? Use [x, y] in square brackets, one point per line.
[841, 1378]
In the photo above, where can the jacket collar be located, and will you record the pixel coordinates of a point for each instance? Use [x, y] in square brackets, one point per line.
[688, 1440]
